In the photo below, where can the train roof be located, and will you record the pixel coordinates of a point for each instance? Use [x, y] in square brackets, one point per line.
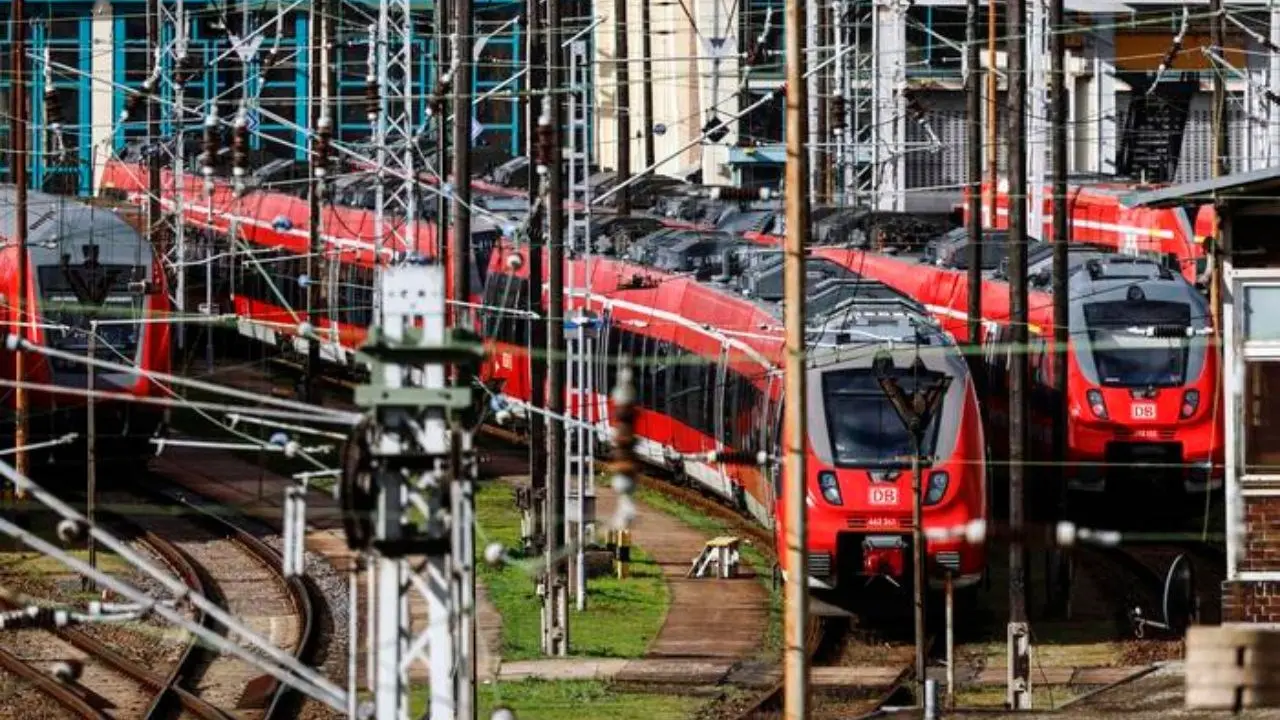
[841, 306]
[1120, 278]
[58, 225]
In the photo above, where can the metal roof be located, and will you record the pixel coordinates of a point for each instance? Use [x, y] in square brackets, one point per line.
[1238, 186]
[58, 224]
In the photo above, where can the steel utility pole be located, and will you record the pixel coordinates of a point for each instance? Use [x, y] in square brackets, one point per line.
[557, 577]
[464, 489]
[441, 21]
[1061, 313]
[973, 97]
[796, 674]
[622, 104]
[993, 113]
[822, 155]
[320, 44]
[18, 115]
[157, 231]
[535, 83]
[915, 411]
[461, 234]
[91, 452]
[646, 74]
[1019, 680]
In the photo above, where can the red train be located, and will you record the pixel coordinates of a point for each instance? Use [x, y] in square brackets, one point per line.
[709, 380]
[709, 355]
[1173, 236]
[1144, 386]
[85, 265]
[268, 277]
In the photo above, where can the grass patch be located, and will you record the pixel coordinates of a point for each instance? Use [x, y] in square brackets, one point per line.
[994, 696]
[622, 617]
[763, 567]
[1085, 654]
[572, 700]
[36, 565]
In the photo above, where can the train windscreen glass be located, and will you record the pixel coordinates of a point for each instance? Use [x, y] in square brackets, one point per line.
[72, 297]
[1139, 343]
[864, 429]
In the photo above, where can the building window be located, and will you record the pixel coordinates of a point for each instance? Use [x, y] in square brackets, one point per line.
[1261, 416]
[1262, 313]
[764, 125]
[754, 18]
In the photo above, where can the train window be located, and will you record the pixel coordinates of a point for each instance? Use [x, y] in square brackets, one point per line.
[490, 316]
[640, 364]
[520, 323]
[710, 373]
[659, 376]
[732, 383]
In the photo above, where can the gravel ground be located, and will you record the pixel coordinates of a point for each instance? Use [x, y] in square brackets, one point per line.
[333, 587]
[151, 641]
[18, 700]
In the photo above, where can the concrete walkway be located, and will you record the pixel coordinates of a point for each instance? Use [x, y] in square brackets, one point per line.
[709, 619]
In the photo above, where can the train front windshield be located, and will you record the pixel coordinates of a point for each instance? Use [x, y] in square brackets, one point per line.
[73, 297]
[864, 428]
[1140, 343]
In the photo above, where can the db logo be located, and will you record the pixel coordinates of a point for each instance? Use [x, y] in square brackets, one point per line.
[883, 496]
[1145, 411]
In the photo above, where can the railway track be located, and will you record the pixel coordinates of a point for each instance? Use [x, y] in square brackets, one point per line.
[242, 573]
[120, 686]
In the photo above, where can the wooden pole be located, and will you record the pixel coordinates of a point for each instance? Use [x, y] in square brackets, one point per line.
[993, 114]
[1220, 166]
[973, 88]
[796, 674]
[1061, 309]
[646, 72]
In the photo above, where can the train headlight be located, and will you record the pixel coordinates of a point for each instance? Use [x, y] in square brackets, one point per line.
[830, 488]
[937, 487]
[1097, 404]
[1190, 403]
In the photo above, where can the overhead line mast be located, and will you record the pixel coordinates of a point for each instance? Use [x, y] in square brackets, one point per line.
[1019, 680]
[535, 84]
[550, 126]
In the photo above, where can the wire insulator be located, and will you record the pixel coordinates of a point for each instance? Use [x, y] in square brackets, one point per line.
[738, 194]
[53, 107]
[240, 146]
[546, 143]
[320, 166]
[211, 146]
[836, 121]
[444, 89]
[372, 97]
[185, 71]
[271, 59]
[136, 101]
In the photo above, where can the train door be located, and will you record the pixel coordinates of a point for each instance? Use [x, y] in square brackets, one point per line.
[604, 380]
[769, 431]
[718, 398]
[719, 421]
